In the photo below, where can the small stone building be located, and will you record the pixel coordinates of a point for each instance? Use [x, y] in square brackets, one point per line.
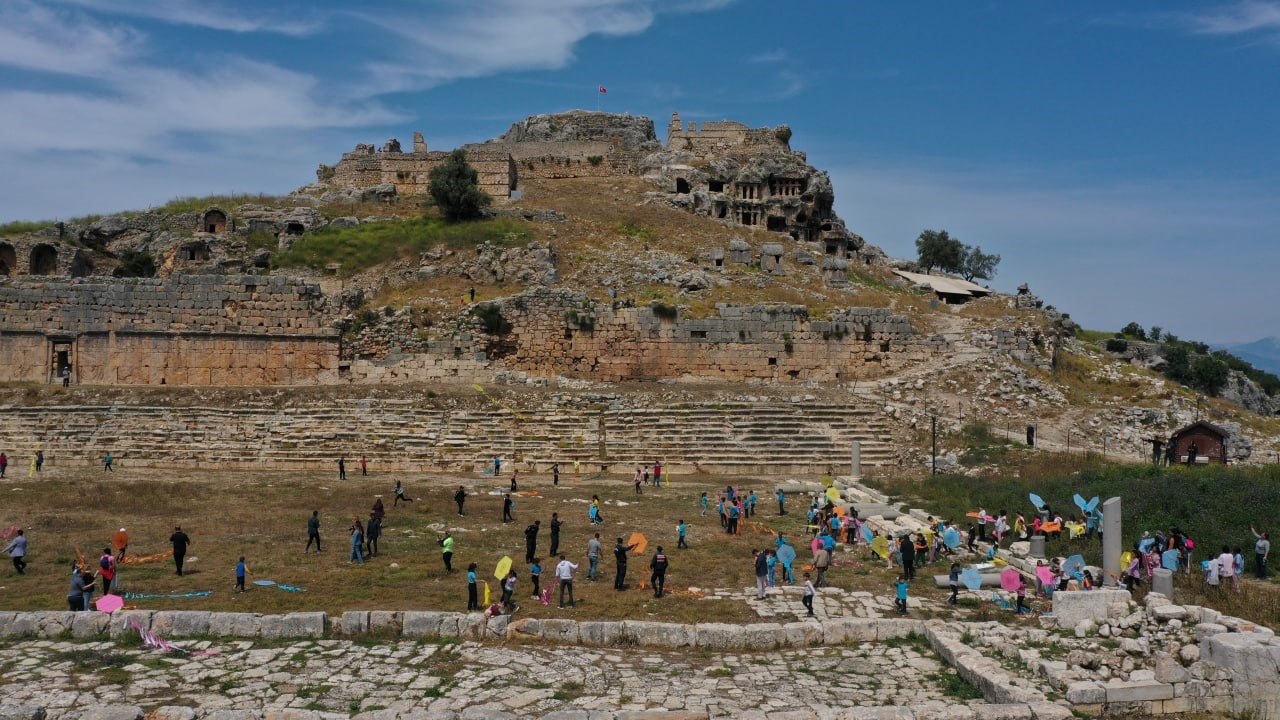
[1209, 440]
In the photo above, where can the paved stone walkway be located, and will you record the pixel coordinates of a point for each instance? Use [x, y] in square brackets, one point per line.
[480, 680]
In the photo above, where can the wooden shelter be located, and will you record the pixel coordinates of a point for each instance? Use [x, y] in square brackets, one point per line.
[1208, 440]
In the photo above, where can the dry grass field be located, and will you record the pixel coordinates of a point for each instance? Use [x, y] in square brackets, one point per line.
[263, 516]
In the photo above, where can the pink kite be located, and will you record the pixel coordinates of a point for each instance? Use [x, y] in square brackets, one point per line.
[1045, 574]
[109, 603]
[1010, 579]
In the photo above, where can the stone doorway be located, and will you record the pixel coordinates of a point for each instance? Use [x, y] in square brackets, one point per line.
[61, 351]
[214, 221]
[8, 260]
[44, 260]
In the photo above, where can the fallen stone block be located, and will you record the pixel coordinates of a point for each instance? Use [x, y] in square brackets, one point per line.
[1086, 693]
[21, 712]
[1165, 613]
[1169, 670]
[172, 712]
[1007, 711]
[1049, 711]
[1141, 691]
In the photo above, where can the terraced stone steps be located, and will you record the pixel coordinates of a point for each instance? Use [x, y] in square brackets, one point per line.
[773, 436]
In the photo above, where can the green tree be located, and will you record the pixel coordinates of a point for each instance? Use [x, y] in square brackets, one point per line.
[1135, 330]
[1177, 363]
[1209, 374]
[1155, 333]
[936, 248]
[978, 264]
[455, 187]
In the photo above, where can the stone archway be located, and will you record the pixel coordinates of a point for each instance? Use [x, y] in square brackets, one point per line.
[8, 260]
[44, 260]
[213, 221]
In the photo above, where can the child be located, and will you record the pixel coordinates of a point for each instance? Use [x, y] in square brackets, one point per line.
[1022, 608]
[954, 578]
[241, 571]
[473, 598]
[508, 588]
[704, 504]
[807, 597]
[535, 571]
[973, 538]
[682, 530]
[901, 601]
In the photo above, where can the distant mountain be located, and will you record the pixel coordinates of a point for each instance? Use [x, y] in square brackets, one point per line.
[1263, 354]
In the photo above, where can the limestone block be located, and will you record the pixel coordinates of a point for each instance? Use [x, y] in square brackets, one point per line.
[848, 630]
[111, 712]
[657, 634]
[385, 621]
[1169, 670]
[877, 712]
[1073, 607]
[180, 623]
[1165, 613]
[88, 625]
[564, 631]
[763, 636]
[1007, 711]
[294, 625]
[291, 714]
[354, 622]
[943, 711]
[496, 627]
[803, 634]
[600, 634]
[1049, 711]
[21, 712]
[1140, 691]
[171, 712]
[892, 629]
[121, 621]
[719, 636]
[1205, 629]
[419, 624]
[244, 625]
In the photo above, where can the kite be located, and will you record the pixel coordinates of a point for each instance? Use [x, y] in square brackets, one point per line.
[1073, 565]
[1045, 575]
[833, 494]
[504, 567]
[109, 603]
[1080, 502]
[1010, 579]
[786, 555]
[1169, 560]
[971, 578]
[951, 538]
[867, 534]
[639, 541]
[1037, 501]
[880, 546]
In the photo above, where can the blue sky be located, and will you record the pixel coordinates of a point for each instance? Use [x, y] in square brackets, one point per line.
[1122, 158]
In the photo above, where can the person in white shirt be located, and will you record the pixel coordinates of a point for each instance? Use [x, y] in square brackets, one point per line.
[809, 592]
[564, 573]
[1227, 568]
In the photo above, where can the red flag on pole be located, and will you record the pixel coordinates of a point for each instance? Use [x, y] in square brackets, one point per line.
[602, 90]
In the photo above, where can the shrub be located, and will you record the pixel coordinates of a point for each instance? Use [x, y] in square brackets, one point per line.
[595, 160]
[368, 244]
[1116, 345]
[135, 263]
[492, 320]
[664, 311]
[455, 187]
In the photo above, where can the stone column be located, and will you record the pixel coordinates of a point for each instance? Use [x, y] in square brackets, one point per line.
[855, 459]
[1112, 543]
[1162, 582]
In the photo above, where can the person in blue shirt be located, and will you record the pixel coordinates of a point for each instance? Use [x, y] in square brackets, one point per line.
[241, 570]
[681, 531]
[901, 601]
[535, 572]
[704, 504]
[782, 499]
[953, 577]
[732, 526]
[473, 598]
[751, 504]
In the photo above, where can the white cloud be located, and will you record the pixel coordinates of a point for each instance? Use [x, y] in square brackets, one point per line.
[1249, 16]
[40, 39]
[455, 40]
[204, 14]
[772, 56]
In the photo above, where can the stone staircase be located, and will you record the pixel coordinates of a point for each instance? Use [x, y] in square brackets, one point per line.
[772, 437]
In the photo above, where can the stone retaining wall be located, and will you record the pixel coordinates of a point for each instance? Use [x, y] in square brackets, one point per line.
[175, 624]
[188, 330]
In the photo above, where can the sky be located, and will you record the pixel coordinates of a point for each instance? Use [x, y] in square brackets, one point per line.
[1121, 158]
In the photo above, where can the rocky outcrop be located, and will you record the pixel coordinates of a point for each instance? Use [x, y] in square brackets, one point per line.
[628, 132]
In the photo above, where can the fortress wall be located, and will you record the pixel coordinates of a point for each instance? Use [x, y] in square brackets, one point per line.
[774, 343]
[410, 172]
[560, 332]
[191, 329]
